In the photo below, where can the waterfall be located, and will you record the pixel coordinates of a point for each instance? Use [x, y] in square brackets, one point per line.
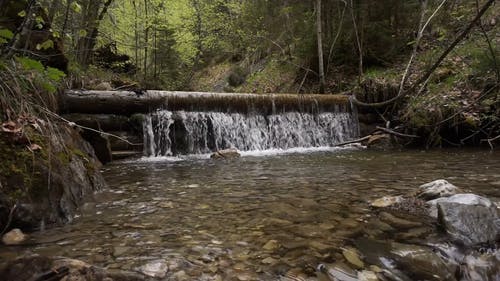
[169, 133]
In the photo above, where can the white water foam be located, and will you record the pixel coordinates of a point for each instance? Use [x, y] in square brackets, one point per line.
[252, 153]
[183, 134]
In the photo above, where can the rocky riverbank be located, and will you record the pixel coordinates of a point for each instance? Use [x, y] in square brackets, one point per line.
[437, 233]
[47, 172]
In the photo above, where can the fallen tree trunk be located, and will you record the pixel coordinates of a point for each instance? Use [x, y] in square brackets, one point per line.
[128, 103]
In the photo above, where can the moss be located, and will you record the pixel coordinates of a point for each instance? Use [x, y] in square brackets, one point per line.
[63, 157]
[80, 153]
[136, 121]
[16, 169]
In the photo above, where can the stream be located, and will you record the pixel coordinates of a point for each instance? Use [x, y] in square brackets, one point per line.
[260, 217]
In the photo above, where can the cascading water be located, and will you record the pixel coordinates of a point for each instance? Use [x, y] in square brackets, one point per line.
[169, 133]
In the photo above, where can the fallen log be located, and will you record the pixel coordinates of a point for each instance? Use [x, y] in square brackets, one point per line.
[127, 102]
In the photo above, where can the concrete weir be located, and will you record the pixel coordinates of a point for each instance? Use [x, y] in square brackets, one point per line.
[128, 102]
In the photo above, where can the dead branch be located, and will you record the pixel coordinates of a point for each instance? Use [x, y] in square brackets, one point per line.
[392, 132]
[490, 141]
[341, 22]
[376, 132]
[85, 128]
[355, 141]
[421, 29]
[9, 221]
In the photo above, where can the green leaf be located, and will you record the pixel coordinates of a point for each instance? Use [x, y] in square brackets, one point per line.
[22, 14]
[411, 43]
[30, 64]
[45, 45]
[76, 7]
[49, 87]
[39, 20]
[82, 32]
[6, 34]
[55, 74]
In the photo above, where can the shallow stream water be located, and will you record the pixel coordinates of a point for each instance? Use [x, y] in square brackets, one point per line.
[253, 218]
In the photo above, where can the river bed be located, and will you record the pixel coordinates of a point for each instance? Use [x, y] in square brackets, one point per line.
[252, 218]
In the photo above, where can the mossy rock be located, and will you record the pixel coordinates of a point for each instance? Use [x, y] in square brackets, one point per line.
[48, 184]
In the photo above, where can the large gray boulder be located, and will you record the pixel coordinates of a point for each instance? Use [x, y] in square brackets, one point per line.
[469, 219]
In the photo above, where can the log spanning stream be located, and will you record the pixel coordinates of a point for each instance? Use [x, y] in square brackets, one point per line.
[184, 123]
[127, 102]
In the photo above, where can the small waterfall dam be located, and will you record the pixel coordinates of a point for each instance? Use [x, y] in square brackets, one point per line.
[150, 123]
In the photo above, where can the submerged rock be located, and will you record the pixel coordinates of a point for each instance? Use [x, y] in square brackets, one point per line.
[437, 189]
[398, 222]
[339, 271]
[14, 237]
[156, 269]
[36, 267]
[353, 257]
[367, 275]
[470, 219]
[422, 262]
[271, 245]
[405, 261]
[386, 201]
[482, 266]
[226, 154]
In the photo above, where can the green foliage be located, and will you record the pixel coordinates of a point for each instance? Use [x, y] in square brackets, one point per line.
[75, 7]
[30, 64]
[486, 63]
[48, 44]
[5, 35]
[47, 78]
[55, 74]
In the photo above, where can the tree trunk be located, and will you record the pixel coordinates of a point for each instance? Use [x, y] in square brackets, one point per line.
[136, 34]
[146, 40]
[128, 103]
[358, 42]
[155, 54]
[66, 18]
[87, 43]
[319, 33]
[199, 32]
